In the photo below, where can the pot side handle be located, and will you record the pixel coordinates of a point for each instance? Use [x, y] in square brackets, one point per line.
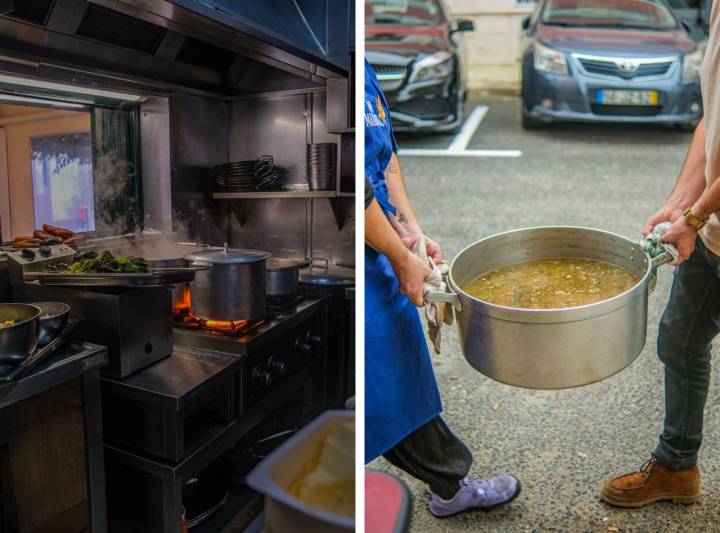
[444, 297]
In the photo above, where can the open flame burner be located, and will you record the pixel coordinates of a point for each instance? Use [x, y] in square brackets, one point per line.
[183, 318]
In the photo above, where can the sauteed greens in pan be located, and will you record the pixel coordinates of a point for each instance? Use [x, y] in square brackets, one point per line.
[103, 263]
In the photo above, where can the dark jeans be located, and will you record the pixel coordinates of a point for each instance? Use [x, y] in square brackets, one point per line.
[433, 454]
[690, 322]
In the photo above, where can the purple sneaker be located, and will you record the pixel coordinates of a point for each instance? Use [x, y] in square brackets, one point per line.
[483, 494]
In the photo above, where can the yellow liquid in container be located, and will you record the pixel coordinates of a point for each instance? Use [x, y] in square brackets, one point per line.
[327, 482]
[551, 283]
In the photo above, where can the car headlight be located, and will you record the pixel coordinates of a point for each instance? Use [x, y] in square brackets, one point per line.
[549, 60]
[436, 66]
[692, 63]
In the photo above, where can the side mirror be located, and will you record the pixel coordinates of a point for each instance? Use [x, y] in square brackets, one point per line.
[464, 25]
[526, 23]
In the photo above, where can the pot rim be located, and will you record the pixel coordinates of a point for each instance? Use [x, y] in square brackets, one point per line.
[31, 319]
[565, 314]
[65, 309]
[229, 257]
[279, 264]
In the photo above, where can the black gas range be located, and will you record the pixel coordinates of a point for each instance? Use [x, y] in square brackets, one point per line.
[223, 383]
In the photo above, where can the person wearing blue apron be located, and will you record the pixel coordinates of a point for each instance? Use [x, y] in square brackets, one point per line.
[402, 401]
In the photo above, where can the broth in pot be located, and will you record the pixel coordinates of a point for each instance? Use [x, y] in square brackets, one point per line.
[556, 283]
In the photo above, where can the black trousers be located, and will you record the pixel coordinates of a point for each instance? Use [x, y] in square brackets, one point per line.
[435, 455]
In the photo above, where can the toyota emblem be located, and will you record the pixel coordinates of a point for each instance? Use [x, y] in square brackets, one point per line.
[628, 65]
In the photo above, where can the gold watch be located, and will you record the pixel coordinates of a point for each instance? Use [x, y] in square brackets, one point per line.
[694, 221]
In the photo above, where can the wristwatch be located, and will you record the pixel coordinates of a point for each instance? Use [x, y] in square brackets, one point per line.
[694, 221]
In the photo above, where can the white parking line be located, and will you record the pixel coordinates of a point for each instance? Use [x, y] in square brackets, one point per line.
[459, 143]
[472, 123]
[444, 152]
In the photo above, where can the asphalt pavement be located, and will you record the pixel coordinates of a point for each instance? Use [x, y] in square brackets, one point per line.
[561, 444]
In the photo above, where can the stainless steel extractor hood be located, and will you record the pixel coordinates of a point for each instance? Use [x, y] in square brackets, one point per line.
[229, 48]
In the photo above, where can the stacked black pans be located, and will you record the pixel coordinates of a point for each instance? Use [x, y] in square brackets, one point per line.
[247, 176]
[321, 166]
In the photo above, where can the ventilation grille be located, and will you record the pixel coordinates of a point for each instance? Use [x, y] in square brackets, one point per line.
[35, 11]
[202, 54]
[108, 26]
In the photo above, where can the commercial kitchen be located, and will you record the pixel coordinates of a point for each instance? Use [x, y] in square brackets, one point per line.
[177, 191]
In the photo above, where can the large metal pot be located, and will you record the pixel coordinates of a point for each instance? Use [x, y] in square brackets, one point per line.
[18, 342]
[551, 348]
[281, 277]
[232, 289]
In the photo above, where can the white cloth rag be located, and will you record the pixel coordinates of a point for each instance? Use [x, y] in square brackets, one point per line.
[436, 313]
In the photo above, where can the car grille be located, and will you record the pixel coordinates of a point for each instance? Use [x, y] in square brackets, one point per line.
[626, 110]
[391, 77]
[612, 67]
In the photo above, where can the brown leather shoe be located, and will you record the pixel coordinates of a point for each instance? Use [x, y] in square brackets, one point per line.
[652, 483]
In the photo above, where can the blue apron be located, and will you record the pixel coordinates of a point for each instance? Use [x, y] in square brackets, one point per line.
[401, 394]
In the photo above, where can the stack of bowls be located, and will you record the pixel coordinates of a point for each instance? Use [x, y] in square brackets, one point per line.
[321, 166]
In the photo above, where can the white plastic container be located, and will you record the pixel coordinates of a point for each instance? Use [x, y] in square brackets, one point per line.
[283, 512]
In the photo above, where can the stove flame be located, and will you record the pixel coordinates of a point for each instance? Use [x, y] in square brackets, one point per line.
[182, 313]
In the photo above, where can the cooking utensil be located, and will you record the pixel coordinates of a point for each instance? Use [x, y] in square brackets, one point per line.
[233, 289]
[18, 341]
[551, 348]
[53, 317]
[281, 277]
[143, 279]
[328, 276]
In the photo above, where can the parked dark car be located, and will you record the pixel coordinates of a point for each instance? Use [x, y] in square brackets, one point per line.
[415, 48]
[609, 61]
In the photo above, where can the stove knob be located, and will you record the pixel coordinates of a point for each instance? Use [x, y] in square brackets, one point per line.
[27, 253]
[278, 367]
[315, 341]
[303, 350]
[261, 379]
[45, 251]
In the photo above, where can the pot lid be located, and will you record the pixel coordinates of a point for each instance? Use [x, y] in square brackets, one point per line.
[229, 257]
[332, 276]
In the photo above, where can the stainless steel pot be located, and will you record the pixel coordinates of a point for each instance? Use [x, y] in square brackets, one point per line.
[18, 342]
[281, 277]
[551, 348]
[232, 289]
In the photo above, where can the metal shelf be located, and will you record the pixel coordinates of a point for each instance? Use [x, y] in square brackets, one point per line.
[273, 194]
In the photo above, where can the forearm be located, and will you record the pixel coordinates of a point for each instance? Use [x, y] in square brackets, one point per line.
[380, 236]
[405, 223]
[691, 182]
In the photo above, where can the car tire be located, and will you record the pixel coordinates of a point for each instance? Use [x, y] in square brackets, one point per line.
[530, 124]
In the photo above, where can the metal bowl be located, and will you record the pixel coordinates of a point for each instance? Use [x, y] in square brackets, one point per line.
[53, 319]
[18, 342]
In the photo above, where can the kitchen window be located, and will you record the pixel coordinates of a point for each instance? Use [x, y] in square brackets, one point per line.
[74, 166]
[62, 181]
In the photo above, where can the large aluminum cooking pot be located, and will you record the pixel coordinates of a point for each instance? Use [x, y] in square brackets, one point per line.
[551, 348]
[232, 289]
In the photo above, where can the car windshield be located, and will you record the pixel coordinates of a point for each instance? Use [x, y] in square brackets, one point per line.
[644, 14]
[403, 12]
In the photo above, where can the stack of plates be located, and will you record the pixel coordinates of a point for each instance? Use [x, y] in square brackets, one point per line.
[321, 166]
[247, 176]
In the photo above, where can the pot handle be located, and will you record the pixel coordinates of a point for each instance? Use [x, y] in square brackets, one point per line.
[669, 256]
[444, 297]
[202, 265]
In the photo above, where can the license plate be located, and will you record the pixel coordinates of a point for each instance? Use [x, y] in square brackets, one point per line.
[608, 97]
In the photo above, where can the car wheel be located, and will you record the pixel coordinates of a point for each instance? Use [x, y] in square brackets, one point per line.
[529, 123]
